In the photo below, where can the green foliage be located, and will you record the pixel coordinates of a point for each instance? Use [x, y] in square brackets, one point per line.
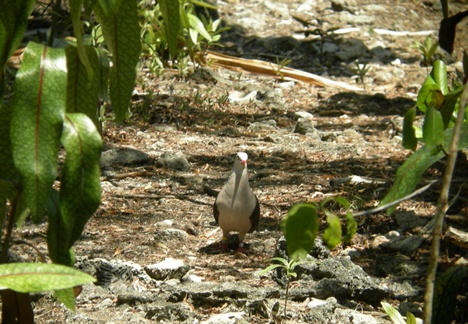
[289, 266]
[300, 226]
[440, 106]
[280, 65]
[51, 108]
[410, 173]
[37, 277]
[361, 71]
[450, 291]
[395, 315]
[122, 36]
[300, 229]
[172, 29]
[427, 49]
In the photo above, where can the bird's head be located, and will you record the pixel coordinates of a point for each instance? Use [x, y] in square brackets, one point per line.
[241, 161]
[240, 166]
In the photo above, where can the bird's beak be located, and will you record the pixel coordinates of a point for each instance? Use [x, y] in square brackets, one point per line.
[236, 187]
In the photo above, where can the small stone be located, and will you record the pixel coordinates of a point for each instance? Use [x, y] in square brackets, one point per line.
[403, 244]
[330, 47]
[175, 161]
[165, 128]
[123, 156]
[171, 234]
[226, 318]
[106, 303]
[304, 126]
[192, 278]
[351, 50]
[304, 114]
[168, 269]
[409, 220]
[165, 223]
[242, 98]
[266, 126]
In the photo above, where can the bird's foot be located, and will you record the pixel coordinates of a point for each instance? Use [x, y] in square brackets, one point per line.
[221, 248]
[241, 250]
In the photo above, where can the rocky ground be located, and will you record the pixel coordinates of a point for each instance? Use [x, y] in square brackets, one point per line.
[149, 242]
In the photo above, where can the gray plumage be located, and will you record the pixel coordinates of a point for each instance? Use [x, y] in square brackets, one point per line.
[236, 208]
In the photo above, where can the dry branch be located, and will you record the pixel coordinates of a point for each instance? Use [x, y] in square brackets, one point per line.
[270, 69]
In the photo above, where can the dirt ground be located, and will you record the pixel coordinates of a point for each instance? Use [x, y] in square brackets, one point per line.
[204, 115]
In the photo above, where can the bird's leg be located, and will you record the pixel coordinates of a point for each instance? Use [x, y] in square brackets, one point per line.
[241, 248]
[223, 247]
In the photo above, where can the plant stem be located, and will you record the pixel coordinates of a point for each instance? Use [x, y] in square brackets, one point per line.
[53, 28]
[442, 206]
[286, 296]
[9, 222]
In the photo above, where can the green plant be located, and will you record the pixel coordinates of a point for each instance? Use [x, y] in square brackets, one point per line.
[395, 315]
[361, 71]
[171, 29]
[300, 228]
[289, 266]
[440, 107]
[427, 50]
[280, 65]
[444, 133]
[451, 295]
[51, 108]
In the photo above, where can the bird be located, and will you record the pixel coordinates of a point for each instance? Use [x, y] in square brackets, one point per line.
[236, 208]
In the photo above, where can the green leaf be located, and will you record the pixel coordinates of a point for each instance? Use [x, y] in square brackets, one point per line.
[435, 98]
[409, 135]
[332, 234]
[22, 211]
[410, 318]
[433, 128]
[447, 288]
[203, 4]
[8, 171]
[410, 173]
[428, 86]
[75, 13]
[36, 122]
[193, 35]
[342, 201]
[103, 75]
[395, 316]
[59, 233]
[67, 297]
[110, 7]
[439, 75]
[14, 20]
[449, 105]
[121, 32]
[435, 81]
[197, 25]
[351, 228]
[82, 89]
[269, 268]
[80, 190]
[284, 262]
[36, 277]
[300, 230]
[170, 10]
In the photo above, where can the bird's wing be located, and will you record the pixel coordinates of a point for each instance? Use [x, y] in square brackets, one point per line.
[215, 210]
[255, 217]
